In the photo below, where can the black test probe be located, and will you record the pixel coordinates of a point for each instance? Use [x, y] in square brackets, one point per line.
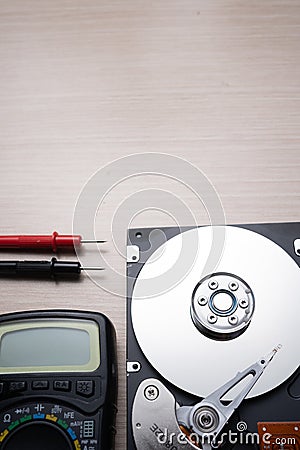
[43, 269]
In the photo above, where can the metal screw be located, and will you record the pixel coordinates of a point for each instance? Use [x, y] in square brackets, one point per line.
[212, 318]
[213, 284]
[202, 301]
[206, 420]
[233, 285]
[151, 393]
[233, 320]
[244, 303]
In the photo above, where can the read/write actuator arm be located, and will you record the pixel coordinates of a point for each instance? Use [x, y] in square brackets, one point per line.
[157, 419]
[208, 417]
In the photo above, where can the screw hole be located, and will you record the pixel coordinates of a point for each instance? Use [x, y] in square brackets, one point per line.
[138, 235]
[263, 361]
[134, 258]
[135, 366]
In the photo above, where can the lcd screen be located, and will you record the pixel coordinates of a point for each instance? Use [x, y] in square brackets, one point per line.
[48, 344]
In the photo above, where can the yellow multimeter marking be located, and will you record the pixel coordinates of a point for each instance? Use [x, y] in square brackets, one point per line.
[77, 445]
[3, 435]
[51, 417]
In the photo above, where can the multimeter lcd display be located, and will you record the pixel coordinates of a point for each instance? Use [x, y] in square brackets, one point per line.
[49, 346]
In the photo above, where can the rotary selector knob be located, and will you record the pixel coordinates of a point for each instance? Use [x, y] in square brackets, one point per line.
[37, 436]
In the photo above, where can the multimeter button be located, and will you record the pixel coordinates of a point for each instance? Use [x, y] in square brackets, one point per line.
[40, 385]
[62, 385]
[17, 386]
[85, 388]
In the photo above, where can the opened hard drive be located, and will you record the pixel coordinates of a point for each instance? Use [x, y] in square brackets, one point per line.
[213, 337]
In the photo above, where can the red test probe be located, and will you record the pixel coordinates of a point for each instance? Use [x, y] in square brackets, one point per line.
[52, 242]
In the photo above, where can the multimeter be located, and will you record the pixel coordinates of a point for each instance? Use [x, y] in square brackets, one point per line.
[58, 381]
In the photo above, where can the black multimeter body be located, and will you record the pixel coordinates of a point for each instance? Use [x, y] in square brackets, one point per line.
[45, 403]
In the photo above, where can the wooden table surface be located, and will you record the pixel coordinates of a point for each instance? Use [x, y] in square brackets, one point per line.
[83, 83]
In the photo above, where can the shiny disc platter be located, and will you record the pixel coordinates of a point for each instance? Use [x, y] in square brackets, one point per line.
[178, 350]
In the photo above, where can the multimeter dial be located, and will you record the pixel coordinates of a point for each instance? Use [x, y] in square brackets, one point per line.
[48, 426]
[36, 436]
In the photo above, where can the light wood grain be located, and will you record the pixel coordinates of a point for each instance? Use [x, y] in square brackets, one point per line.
[85, 82]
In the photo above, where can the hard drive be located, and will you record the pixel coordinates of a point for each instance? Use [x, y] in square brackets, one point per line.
[213, 337]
